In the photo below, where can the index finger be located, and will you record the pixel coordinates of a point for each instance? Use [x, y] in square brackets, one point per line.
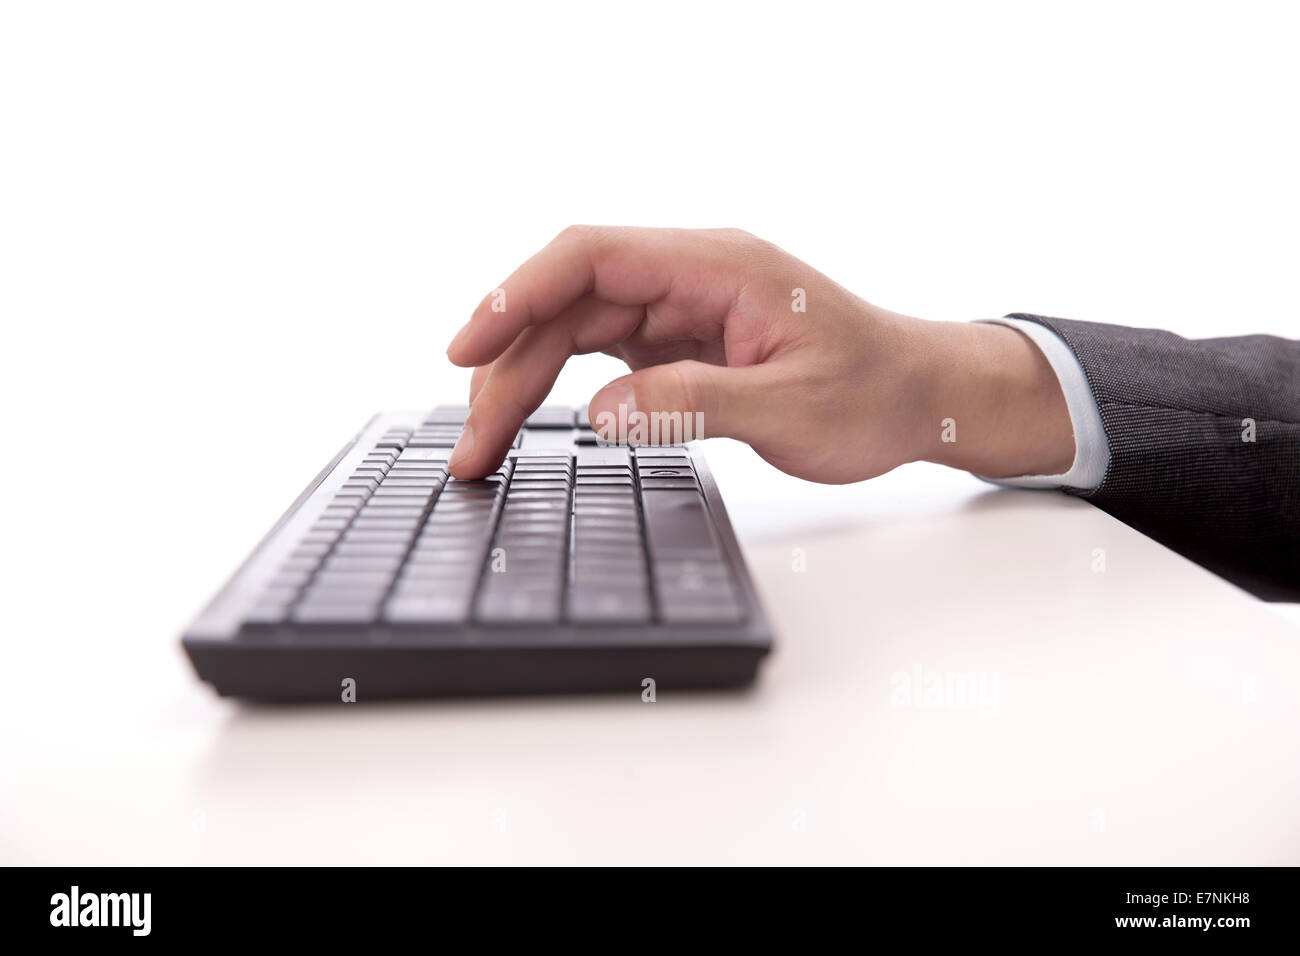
[620, 265]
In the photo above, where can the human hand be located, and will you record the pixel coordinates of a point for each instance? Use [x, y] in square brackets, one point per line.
[710, 322]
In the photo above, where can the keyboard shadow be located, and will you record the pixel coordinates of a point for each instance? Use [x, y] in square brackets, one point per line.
[277, 745]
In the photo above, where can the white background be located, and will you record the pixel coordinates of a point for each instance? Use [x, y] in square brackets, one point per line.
[229, 232]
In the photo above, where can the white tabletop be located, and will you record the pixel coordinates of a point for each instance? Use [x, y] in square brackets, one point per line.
[958, 679]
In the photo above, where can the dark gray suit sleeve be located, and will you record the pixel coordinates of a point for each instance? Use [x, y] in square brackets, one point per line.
[1204, 439]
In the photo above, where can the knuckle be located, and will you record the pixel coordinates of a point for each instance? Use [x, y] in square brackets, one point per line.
[694, 391]
[580, 232]
[743, 239]
[748, 245]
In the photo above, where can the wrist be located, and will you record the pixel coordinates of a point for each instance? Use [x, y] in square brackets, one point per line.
[993, 404]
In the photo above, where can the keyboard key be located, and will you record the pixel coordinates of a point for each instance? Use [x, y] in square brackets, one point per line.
[539, 503]
[267, 613]
[664, 468]
[417, 468]
[592, 604]
[365, 523]
[385, 492]
[677, 523]
[515, 603]
[604, 481]
[430, 609]
[703, 610]
[447, 415]
[551, 416]
[289, 580]
[414, 479]
[682, 577]
[655, 452]
[423, 455]
[526, 483]
[349, 591]
[609, 455]
[450, 555]
[398, 535]
[666, 484]
[369, 549]
[335, 613]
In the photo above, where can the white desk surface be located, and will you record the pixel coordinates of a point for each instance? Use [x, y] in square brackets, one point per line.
[1141, 714]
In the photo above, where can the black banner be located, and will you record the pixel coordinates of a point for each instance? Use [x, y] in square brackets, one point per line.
[142, 906]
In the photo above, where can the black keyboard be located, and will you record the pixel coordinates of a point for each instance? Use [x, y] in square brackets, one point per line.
[577, 566]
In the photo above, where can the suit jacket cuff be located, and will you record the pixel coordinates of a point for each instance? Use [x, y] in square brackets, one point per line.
[1091, 451]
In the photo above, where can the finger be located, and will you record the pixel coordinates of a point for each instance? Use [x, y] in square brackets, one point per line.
[689, 400]
[476, 380]
[593, 324]
[622, 266]
[515, 386]
[517, 382]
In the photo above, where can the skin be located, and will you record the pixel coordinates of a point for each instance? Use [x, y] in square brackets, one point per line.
[840, 392]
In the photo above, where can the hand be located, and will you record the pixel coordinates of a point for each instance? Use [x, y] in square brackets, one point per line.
[710, 322]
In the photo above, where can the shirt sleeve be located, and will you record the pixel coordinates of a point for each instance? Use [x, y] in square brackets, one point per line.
[1091, 451]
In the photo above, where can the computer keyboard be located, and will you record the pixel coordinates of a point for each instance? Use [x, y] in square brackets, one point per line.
[576, 566]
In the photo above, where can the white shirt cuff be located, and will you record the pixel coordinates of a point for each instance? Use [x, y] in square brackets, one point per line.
[1091, 451]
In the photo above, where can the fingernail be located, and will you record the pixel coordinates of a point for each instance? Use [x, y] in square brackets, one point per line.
[464, 447]
[611, 410]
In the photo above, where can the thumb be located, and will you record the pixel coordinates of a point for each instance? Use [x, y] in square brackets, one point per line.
[683, 401]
